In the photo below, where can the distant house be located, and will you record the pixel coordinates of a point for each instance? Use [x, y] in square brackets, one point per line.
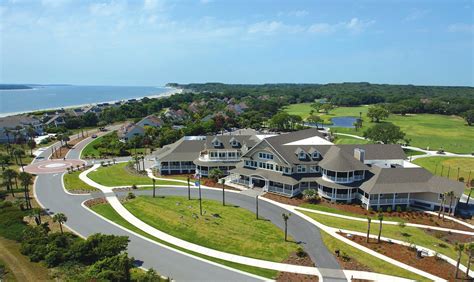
[18, 125]
[56, 120]
[177, 115]
[130, 130]
[150, 120]
[238, 109]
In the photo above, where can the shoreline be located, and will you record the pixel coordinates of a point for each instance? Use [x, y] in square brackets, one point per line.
[165, 94]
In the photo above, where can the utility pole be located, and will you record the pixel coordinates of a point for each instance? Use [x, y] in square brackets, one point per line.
[256, 206]
[189, 190]
[200, 197]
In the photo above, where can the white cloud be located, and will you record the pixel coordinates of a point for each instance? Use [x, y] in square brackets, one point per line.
[322, 28]
[152, 5]
[107, 8]
[461, 27]
[415, 15]
[273, 27]
[356, 25]
[298, 13]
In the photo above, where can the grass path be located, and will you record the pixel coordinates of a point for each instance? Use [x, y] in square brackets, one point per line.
[225, 228]
[108, 212]
[19, 265]
[425, 130]
[443, 165]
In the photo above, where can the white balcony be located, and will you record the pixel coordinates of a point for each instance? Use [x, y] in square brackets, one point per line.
[207, 158]
[177, 167]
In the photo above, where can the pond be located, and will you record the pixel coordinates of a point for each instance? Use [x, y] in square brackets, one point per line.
[347, 122]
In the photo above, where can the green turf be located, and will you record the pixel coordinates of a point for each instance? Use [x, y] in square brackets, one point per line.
[373, 263]
[119, 175]
[92, 152]
[341, 212]
[349, 140]
[73, 183]
[225, 228]
[409, 152]
[408, 234]
[425, 130]
[108, 212]
[443, 165]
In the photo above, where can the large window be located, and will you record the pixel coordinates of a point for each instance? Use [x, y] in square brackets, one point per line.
[314, 168]
[265, 156]
[302, 155]
[301, 168]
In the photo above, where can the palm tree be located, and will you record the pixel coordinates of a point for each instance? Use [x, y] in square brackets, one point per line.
[60, 218]
[215, 174]
[369, 220]
[4, 161]
[154, 186]
[380, 218]
[18, 154]
[285, 218]
[459, 248]
[7, 175]
[451, 198]
[31, 145]
[25, 179]
[223, 191]
[470, 249]
[441, 206]
[7, 133]
[137, 162]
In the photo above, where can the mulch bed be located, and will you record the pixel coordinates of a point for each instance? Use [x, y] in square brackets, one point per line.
[296, 260]
[432, 265]
[417, 217]
[62, 152]
[95, 201]
[450, 237]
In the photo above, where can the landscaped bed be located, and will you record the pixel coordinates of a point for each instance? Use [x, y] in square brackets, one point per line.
[121, 175]
[353, 259]
[355, 210]
[72, 183]
[225, 228]
[413, 235]
[433, 265]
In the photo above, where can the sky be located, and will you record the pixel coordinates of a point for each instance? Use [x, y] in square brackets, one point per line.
[153, 42]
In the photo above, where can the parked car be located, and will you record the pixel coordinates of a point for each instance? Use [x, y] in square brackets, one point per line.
[94, 136]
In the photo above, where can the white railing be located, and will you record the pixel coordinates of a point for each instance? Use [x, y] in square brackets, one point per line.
[385, 201]
[343, 179]
[206, 158]
[240, 181]
[279, 190]
[336, 196]
[174, 167]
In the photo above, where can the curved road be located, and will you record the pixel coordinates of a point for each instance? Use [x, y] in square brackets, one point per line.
[51, 195]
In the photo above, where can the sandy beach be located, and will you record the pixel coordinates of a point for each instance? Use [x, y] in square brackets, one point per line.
[168, 93]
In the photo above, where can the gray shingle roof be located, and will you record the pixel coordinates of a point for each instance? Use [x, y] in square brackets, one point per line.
[181, 150]
[336, 159]
[250, 140]
[404, 180]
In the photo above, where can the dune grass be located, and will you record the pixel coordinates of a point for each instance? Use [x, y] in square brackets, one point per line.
[425, 130]
[226, 228]
[108, 212]
[408, 234]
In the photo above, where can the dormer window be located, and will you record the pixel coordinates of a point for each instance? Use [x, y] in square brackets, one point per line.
[302, 155]
[234, 142]
[216, 142]
[315, 155]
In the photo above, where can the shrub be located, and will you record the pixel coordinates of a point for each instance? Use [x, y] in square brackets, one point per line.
[130, 196]
[345, 257]
[399, 209]
[389, 209]
[301, 253]
[402, 224]
[442, 245]
[461, 179]
[371, 210]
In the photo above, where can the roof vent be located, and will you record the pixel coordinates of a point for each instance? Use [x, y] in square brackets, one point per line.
[359, 154]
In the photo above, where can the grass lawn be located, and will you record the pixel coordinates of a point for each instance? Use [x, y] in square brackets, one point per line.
[375, 264]
[225, 228]
[90, 151]
[119, 175]
[409, 152]
[425, 130]
[107, 211]
[464, 164]
[73, 183]
[342, 212]
[349, 140]
[408, 234]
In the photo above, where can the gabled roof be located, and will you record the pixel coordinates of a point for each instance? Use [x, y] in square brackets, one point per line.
[182, 150]
[408, 180]
[226, 140]
[337, 160]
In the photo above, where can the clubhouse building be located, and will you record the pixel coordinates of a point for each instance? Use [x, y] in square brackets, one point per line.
[374, 175]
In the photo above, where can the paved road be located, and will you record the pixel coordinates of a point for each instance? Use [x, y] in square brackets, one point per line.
[51, 195]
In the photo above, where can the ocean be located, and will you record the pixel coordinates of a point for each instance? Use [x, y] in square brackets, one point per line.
[51, 97]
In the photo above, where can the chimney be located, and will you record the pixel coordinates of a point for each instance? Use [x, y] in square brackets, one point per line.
[359, 154]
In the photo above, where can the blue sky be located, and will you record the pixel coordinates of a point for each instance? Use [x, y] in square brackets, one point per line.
[152, 42]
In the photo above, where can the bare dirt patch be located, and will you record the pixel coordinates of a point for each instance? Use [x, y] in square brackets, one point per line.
[450, 237]
[294, 259]
[96, 201]
[407, 255]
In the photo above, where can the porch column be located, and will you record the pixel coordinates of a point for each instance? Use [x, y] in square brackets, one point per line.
[180, 167]
[393, 201]
[378, 202]
[408, 200]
